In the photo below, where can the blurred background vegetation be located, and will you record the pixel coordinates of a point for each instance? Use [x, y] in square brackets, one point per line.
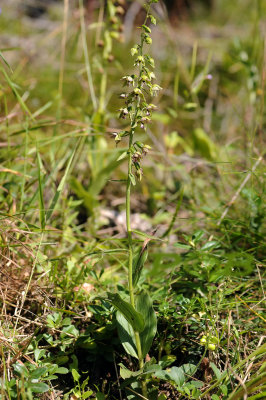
[62, 191]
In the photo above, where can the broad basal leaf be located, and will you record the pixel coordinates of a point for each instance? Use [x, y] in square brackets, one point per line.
[131, 315]
[143, 304]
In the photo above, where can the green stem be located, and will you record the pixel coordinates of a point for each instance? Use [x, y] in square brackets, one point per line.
[129, 232]
[128, 224]
[130, 257]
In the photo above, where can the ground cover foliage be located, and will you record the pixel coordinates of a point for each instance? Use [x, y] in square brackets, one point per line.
[196, 213]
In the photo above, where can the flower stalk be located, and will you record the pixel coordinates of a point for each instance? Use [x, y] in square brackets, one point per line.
[138, 111]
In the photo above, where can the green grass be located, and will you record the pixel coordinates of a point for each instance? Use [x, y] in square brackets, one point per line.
[62, 203]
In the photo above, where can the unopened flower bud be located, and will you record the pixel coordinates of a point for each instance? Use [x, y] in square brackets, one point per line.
[148, 39]
[114, 35]
[134, 51]
[119, 10]
[100, 43]
[110, 58]
[146, 28]
[114, 20]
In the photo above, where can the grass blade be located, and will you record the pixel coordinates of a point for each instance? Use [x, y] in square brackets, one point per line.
[41, 200]
[60, 187]
[14, 90]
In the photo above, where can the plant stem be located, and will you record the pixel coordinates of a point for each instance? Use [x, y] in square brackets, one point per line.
[129, 233]
[130, 256]
[128, 221]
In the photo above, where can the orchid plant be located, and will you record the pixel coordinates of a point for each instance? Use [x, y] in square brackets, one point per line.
[136, 317]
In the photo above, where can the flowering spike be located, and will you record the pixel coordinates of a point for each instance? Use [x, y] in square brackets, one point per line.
[136, 107]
